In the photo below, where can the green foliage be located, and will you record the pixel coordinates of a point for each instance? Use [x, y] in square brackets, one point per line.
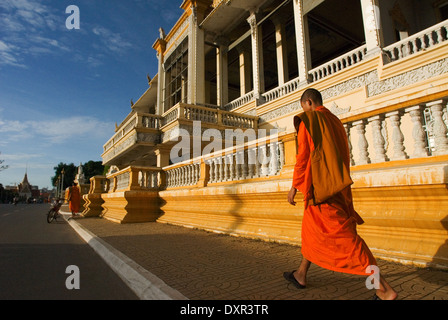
[90, 169]
[70, 171]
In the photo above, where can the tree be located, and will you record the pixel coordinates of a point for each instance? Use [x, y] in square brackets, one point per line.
[3, 167]
[92, 168]
[70, 171]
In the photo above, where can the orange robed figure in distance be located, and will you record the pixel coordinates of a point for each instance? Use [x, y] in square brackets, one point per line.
[74, 198]
[322, 175]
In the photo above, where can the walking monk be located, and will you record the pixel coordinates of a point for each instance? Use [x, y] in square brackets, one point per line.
[322, 175]
[74, 198]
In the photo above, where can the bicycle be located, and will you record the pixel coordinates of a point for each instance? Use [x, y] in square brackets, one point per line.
[53, 213]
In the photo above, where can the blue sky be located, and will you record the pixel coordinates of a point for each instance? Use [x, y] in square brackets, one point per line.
[61, 90]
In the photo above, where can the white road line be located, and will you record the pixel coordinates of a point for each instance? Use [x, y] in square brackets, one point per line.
[144, 284]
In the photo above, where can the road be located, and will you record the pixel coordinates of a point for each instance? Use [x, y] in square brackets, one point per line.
[37, 259]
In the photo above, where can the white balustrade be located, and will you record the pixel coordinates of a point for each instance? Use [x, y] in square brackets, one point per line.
[185, 175]
[240, 101]
[342, 62]
[426, 127]
[282, 90]
[264, 160]
[418, 42]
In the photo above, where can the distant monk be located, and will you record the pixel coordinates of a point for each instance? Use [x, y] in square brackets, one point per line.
[74, 198]
[322, 175]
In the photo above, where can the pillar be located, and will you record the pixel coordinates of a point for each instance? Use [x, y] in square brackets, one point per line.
[302, 41]
[257, 56]
[281, 50]
[245, 71]
[222, 77]
[372, 26]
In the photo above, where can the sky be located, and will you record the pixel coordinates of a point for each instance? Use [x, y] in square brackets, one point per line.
[63, 89]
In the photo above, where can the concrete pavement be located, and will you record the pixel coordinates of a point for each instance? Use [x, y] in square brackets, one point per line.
[160, 261]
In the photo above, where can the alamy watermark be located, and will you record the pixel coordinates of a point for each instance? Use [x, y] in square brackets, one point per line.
[73, 21]
[73, 280]
[373, 281]
[226, 142]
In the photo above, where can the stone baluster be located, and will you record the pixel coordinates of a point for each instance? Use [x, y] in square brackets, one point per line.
[397, 136]
[264, 160]
[362, 142]
[273, 163]
[439, 128]
[378, 139]
[211, 170]
[231, 167]
[221, 169]
[245, 164]
[417, 132]
[178, 177]
[347, 127]
[251, 161]
[281, 154]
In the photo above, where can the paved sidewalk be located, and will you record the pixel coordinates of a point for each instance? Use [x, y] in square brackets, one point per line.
[202, 265]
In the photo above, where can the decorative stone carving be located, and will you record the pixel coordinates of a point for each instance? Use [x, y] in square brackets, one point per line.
[378, 139]
[397, 136]
[417, 132]
[439, 128]
[362, 142]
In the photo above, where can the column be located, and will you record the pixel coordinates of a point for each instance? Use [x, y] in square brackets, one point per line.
[347, 127]
[302, 42]
[222, 77]
[245, 71]
[257, 56]
[378, 139]
[362, 142]
[160, 46]
[439, 128]
[196, 51]
[281, 50]
[372, 26]
[417, 132]
[397, 136]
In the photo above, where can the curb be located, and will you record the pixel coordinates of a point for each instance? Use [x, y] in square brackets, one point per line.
[143, 283]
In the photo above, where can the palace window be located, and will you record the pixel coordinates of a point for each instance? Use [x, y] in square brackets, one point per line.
[176, 76]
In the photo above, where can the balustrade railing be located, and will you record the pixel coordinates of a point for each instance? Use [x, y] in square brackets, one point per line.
[239, 101]
[264, 157]
[208, 115]
[183, 176]
[418, 42]
[412, 132]
[282, 90]
[133, 178]
[342, 62]
[138, 120]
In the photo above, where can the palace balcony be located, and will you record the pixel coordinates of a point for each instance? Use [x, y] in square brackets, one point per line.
[136, 140]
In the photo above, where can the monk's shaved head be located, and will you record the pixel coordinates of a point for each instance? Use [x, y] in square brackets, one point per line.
[313, 95]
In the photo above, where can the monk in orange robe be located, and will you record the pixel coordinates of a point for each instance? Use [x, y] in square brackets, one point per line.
[322, 175]
[74, 199]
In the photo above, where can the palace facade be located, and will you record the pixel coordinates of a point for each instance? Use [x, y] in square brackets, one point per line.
[241, 66]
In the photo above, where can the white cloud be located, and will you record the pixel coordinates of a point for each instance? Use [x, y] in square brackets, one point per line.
[27, 27]
[112, 41]
[55, 131]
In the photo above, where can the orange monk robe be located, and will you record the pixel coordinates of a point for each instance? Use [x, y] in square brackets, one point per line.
[74, 199]
[329, 236]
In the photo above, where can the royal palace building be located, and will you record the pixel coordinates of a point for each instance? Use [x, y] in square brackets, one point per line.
[211, 143]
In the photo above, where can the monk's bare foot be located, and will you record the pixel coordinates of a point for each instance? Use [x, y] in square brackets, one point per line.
[300, 278]
[387, 295]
